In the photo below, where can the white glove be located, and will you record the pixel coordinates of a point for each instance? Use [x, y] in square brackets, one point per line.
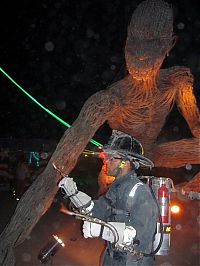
[68, 185]
[78, 198]
[126, 234]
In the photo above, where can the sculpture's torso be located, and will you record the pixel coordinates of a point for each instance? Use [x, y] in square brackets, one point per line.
[142, 112]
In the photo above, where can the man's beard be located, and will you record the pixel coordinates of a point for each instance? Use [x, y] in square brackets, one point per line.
[115, 172]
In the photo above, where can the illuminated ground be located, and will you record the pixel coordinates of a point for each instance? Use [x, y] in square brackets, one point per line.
[185, 248]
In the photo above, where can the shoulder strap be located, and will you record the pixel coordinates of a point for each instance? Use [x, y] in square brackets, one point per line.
[129, 202]
[131, 195]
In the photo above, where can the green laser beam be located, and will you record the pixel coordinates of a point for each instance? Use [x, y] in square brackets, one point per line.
[96, 143]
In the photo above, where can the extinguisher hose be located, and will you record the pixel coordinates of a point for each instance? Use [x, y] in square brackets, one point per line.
[161, 227]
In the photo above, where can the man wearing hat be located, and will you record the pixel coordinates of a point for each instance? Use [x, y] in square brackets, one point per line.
[128, 210]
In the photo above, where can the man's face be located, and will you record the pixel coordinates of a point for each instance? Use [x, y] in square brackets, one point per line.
[112, 162]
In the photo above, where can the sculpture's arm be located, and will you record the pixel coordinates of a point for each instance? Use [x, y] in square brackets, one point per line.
[96, 110]
[186, 101]
[187, 104]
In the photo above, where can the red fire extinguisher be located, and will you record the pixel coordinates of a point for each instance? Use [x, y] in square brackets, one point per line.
[163, 199]
[162, 188]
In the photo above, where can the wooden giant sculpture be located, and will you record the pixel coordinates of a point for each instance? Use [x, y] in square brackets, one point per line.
[137, 104]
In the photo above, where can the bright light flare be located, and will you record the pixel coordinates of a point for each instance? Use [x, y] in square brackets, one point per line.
[59, 240]
[175, 209]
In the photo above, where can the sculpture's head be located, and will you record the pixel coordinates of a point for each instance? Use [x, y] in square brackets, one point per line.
[150, 38]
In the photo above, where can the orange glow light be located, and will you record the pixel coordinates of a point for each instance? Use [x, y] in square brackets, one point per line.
[59, 240]
[175, 209]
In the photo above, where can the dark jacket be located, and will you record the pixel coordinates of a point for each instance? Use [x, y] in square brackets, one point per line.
[129, 200]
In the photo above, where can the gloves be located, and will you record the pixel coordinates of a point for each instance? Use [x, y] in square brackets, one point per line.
[78, 198]
[126, 234]
[68, 185]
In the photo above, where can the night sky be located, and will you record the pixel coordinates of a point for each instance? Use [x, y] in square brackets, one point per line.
[61, 52]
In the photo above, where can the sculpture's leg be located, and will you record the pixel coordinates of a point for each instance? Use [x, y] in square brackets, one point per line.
[192, 188]
[175, 154]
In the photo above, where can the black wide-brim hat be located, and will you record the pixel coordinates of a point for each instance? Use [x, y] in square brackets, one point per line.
[127, 146]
